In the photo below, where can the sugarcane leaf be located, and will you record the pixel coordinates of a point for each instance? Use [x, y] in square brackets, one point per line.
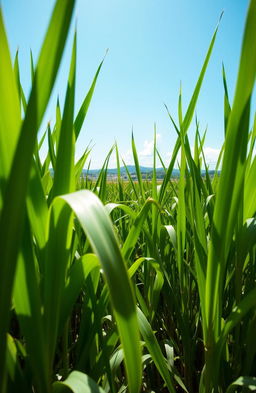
[77, 382]
[155, 350]
[27, 303]
[244, 382]
[96, 224]
[231, 183]
[85, 105]
[76, 278]
[66, 144]
[12, 215]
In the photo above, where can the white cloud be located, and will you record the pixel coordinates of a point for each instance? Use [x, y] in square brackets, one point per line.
[148, 148]
[211, 155]
[145, 155]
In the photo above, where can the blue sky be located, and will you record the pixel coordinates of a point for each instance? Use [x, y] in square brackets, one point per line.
[153, 47]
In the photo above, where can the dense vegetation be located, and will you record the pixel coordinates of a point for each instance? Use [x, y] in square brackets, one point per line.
[125, 286]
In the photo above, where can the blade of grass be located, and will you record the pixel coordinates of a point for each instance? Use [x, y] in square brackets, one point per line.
[188, 116]
[66, 145]
[27, 302]
[77, 275]
[12, 216]
[97, 225]
[16, 376]
[137, 167]
[228, 197]
[19, 86]
[10, 116]
[77, 382]
[57, 258]
[86, 103]
[244, 382]
[227, 108]
[155, 350]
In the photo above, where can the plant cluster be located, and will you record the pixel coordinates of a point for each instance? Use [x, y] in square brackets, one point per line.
[127, 286]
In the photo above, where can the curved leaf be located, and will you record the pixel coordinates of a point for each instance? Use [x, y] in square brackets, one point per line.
[97, 225]
[244, 382]
[77, 382]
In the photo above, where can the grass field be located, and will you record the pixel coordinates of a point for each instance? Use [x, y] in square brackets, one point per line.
[132, 285]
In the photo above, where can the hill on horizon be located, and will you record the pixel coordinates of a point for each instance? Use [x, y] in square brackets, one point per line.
[132, 171]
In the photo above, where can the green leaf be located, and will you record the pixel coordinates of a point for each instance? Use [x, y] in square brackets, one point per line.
[131, 181]
[80, 164]
[19, 86]
[51, 150]
[12, 215]
[239, 311]
[37, 207]
[232, 175]
[27, 303]
[16, 376]
[136, 228]
[77, 382]
[120, 184]
[66, 146]
[249, 188]
[244, 382]
[57, 259]
[10, 116]
[85, 105]
[97, 226]
[137, 167]
[155, 350]
[227, 108]
[187, 118]
[191, 108]
[77, 275]
[32, 68]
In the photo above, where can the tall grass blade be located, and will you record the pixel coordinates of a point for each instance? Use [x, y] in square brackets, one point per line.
[155, 350]
[96, 224]
[188, 117]
[227, 108]
[230, 188]
[137, 167]
[85, 105]
[10, 115]
[27, 302]
[12, 215]
[66, 145]
[77, 382]
[244, 382]
[191, 107]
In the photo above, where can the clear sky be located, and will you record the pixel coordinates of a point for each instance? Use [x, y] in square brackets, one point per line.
[153, 46]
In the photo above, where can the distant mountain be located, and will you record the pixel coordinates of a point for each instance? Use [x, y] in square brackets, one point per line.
[132, 171]
[145, 172]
